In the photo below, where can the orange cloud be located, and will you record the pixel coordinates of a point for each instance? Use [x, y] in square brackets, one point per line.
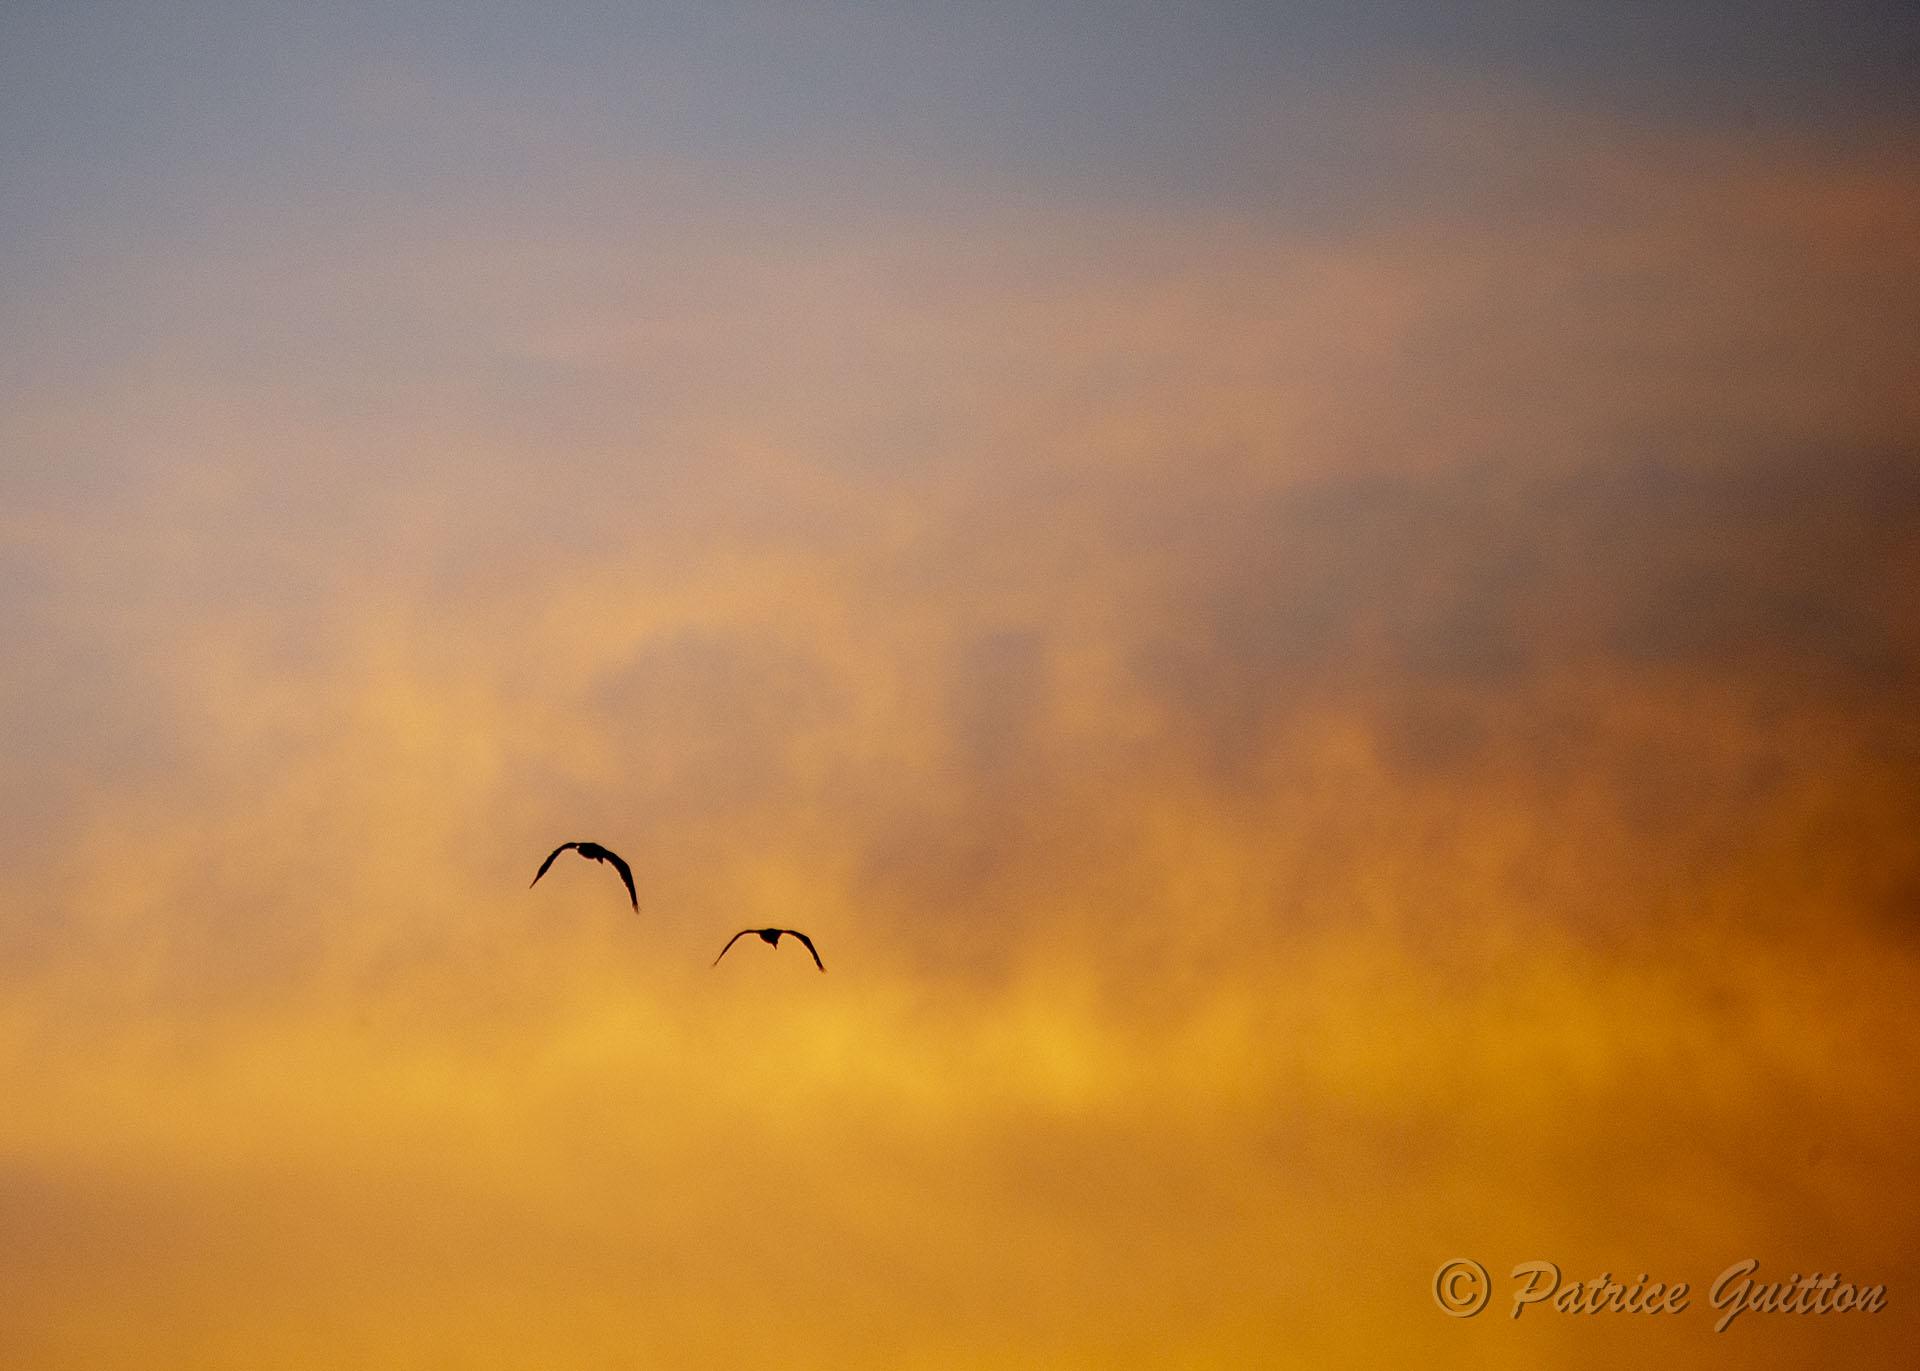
[1306, 756]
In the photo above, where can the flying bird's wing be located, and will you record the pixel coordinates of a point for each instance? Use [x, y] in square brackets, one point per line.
[809, 946]
[626, 874]
[731, 941]
[547, 863]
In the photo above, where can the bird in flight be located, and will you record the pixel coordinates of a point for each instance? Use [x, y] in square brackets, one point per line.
[771, 937]
[596, 853]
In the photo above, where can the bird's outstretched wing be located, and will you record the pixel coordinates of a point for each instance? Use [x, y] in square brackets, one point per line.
[731, 941]
[547, 863]
[808, 943]
[626, 875]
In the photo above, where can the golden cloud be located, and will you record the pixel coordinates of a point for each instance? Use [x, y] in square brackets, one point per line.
[1304, 758]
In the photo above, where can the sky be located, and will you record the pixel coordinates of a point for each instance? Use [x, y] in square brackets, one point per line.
[1310, 603]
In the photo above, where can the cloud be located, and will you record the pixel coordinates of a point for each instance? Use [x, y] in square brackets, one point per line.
[1306, 753]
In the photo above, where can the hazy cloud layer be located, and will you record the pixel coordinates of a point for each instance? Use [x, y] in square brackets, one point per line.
[1322, 721]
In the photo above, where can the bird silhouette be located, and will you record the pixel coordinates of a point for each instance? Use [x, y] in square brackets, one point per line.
[771, 937]
[596, 853]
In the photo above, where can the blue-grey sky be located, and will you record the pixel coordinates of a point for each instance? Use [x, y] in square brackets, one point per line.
[166, 106]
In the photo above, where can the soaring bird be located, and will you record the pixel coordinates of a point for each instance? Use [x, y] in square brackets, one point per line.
[771, 937]
[596, 853]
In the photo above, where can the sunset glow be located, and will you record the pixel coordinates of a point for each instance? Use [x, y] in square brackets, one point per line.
[1316, 616]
